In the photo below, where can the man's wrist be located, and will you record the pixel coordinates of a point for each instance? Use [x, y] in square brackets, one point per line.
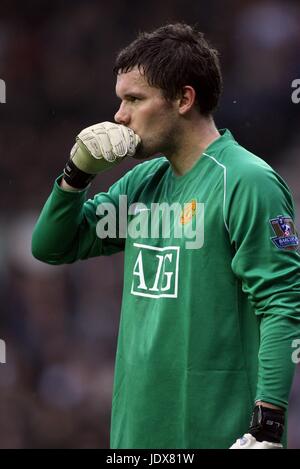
[75, 178]
[268, 405]
[267, 424]
[65, 186]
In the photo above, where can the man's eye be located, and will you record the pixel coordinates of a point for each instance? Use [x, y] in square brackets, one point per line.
[133, 99]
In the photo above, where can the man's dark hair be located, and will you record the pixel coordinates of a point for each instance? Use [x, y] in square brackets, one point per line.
[172, 57]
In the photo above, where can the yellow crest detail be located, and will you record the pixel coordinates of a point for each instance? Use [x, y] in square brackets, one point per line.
[188, 212]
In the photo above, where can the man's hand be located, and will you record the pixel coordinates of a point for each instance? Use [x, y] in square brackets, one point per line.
[98, 148]
[266, 429]
[250, 442]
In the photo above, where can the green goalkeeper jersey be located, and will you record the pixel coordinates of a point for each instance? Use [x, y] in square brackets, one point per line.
[205, 330]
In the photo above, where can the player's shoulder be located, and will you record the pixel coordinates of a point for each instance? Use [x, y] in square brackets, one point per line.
[244, 166]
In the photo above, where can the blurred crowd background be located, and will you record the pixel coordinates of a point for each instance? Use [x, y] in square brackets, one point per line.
[60, 323]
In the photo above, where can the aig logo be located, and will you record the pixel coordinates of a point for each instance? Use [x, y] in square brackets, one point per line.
[155, 271]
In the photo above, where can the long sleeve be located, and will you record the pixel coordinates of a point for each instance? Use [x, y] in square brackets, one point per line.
[260, 218]
[69, 228]
[276, 368]
[66, 228]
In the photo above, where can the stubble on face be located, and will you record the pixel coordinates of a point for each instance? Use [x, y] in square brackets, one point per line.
[163, 140]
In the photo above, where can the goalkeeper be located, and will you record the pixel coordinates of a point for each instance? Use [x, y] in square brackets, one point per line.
[206, 335]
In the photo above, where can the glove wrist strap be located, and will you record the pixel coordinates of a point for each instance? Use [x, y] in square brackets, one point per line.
[267, 424]
[75, 177]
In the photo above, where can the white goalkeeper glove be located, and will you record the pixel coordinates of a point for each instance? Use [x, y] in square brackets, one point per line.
[250, 442]
[98, 148]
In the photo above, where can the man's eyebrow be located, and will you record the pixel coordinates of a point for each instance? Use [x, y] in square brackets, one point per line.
[131, 94]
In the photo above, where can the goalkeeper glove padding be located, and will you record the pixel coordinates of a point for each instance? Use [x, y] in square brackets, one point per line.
[97, 148]
[250, 442]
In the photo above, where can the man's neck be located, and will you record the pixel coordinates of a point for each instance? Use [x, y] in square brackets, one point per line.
[197, 136]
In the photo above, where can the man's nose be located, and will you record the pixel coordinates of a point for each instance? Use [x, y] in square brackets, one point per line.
[122, 117]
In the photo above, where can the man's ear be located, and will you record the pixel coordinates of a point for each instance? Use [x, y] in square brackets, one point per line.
[186, 100]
